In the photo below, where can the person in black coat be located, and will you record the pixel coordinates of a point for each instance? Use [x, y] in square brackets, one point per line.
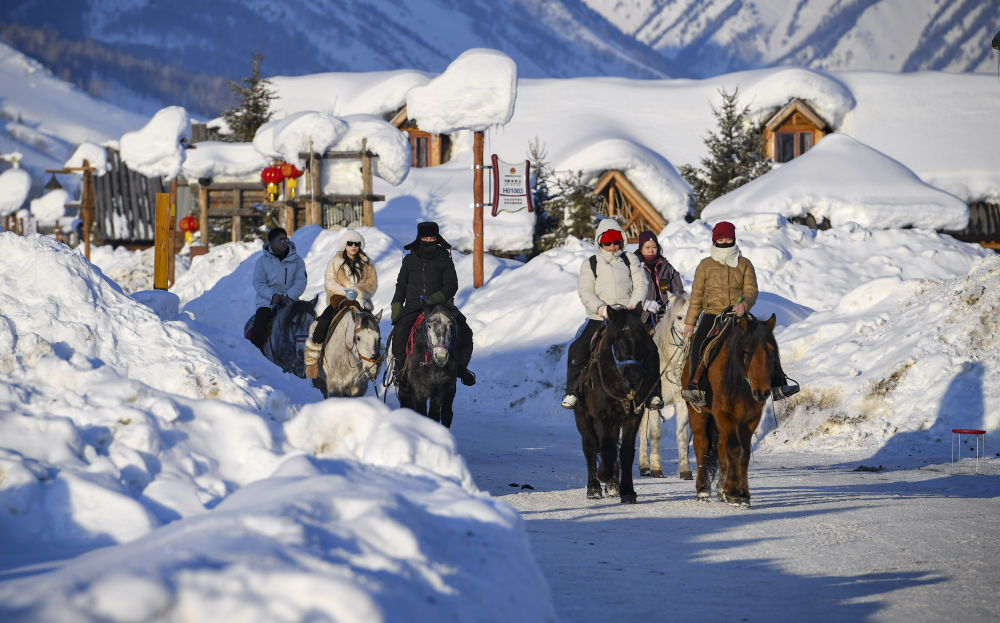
[427, 275]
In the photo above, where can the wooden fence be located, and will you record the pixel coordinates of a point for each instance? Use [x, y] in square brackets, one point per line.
[125, 203]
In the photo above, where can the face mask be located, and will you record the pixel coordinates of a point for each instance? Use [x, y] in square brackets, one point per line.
[725, 245]
[427, 250]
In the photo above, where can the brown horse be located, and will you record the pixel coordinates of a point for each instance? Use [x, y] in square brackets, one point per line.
[619, 377]
[740, 378]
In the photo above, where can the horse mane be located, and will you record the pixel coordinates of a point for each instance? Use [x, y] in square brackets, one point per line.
[366, 320]
[300, 307]
[757, 334]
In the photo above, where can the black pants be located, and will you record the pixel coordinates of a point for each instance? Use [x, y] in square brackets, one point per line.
[697, 341]
[579, 352]
[262, 320]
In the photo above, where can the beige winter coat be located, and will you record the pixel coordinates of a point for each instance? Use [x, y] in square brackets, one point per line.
[615, 283]
[716, 286]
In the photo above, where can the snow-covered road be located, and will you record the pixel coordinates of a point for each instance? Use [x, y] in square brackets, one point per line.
[823, 542]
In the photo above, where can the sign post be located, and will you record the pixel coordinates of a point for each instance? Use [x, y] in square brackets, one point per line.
[511, 186]
[161, 241]
[477, 218]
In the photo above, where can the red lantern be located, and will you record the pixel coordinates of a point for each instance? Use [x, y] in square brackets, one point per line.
[272, 177]
[290, 172]
[189, 225]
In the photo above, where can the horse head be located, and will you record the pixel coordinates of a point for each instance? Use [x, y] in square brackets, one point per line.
[754, 360]
[627, 336]
[289, 333]
[439, 333]
[366, 341]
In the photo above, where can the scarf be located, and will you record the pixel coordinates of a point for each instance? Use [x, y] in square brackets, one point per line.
[728, 256]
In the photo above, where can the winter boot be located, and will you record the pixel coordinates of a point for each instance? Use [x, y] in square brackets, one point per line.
[694, 395]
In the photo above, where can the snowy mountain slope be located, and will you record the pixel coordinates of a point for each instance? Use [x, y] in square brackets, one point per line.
[717, 36]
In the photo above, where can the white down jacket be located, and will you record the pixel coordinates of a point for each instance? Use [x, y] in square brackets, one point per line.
[615, 282]
[272, 275]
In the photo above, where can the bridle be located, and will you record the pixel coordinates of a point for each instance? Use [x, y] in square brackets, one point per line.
[620, 365]
[352, 348]
[446, 344]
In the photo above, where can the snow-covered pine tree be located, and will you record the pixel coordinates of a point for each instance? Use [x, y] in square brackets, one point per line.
[564, 205]
[735, 155]
[254, 110]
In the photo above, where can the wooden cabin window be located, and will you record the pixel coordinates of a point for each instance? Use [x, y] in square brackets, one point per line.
[789, 145]
[420, 151]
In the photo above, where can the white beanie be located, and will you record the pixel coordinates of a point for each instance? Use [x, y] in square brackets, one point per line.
[352, 236]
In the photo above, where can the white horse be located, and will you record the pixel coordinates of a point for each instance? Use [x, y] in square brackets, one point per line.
[352, 354]
[673, 353]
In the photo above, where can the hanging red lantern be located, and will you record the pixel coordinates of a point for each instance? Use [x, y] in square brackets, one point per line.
[272, 177]
[290, 173]
[189, 225]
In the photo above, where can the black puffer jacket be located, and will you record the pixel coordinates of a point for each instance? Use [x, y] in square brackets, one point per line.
[419, 277]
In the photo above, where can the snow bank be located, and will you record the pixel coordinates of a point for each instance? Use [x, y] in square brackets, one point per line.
[15, 183]
[476, 91]
[845, 181]
[156, 150]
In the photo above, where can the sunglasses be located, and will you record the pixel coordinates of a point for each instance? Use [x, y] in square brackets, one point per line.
[613, 243]
[352, 243]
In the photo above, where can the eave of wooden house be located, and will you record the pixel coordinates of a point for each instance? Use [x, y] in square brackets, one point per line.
[796, 106]
[641, 208]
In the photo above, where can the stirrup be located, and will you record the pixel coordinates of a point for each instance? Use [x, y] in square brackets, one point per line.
[784, 391]
[694, 396]
[568, 401]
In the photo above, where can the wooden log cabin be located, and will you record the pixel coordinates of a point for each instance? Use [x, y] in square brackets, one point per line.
[792, 131]
[426, 149]
[620, 199]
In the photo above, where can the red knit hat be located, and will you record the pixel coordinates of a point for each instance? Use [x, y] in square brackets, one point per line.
[723, 229]
[612, 235]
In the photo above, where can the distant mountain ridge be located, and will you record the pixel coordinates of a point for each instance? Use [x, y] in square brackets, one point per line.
[208, 42]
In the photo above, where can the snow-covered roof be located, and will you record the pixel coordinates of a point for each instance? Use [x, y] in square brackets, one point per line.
[155, 150]
[844, 180]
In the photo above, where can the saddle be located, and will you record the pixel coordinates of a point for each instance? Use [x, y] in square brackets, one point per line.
[713, 341]
[342, 308]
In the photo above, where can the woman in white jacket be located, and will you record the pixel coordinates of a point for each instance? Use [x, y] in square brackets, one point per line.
[608, 278]
[350, 276]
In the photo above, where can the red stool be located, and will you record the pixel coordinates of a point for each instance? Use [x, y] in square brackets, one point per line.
[980, 444]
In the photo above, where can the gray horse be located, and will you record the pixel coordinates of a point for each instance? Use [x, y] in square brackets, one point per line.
[673, 355]
[352, 354]
[285, 345]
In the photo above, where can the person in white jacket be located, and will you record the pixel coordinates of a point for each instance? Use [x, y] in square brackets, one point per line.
[608, 278]
[279, 277]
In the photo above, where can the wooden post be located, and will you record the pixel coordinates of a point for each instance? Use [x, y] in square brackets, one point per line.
[290, 217]
[477, 217]
[236, 232]
[173, 232]
[367, 214]
[87, 206]
[315, 179]
[161, 241]
[203, 201]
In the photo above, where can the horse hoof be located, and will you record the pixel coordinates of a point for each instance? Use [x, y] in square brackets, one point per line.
[644, 471]
[703, 496]
[685, 474]
[656, 473]
[629, 498]
[611, 490]
[594, 494]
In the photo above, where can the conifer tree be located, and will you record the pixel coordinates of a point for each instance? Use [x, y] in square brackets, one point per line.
[254, 110]
[735, 155]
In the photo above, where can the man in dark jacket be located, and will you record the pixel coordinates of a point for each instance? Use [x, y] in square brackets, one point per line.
[428, 275]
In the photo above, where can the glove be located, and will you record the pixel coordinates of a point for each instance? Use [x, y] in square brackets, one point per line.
[436, 298]
[603, 311]
[396, 309]
[351, 294]
[651, 306]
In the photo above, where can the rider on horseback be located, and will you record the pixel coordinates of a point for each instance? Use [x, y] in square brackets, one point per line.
[279, 277]
[725, 280]
[350, 276]
[662, 278]
[427, 275]
[608, 279]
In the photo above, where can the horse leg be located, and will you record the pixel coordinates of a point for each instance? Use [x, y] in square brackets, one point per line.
[655, 435]
[643, 440]
[702, 484]
[627, 454]
[683, 436]
[588, 437]
[607, 471]
[447, 399]
[731, 447]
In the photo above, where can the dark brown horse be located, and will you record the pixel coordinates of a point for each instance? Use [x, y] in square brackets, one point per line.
[740, 378]
[619, 377]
